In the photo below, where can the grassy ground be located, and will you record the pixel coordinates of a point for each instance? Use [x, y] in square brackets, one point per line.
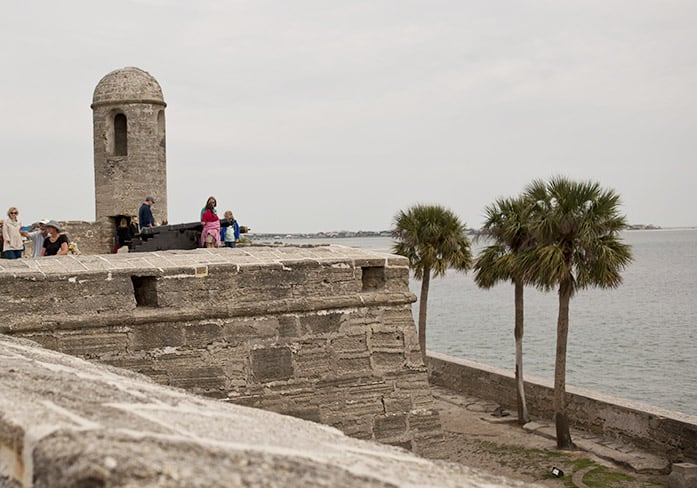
[472, 438]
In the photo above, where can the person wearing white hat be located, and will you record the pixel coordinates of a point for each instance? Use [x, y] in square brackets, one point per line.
[37, 237]
[55, 244]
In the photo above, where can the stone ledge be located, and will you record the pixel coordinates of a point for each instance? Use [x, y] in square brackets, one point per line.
[66, 422]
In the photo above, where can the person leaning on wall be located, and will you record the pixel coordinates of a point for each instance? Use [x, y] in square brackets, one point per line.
[55, 244]
[37, 235]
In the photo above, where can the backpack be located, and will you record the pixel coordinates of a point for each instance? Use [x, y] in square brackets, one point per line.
[230, 233]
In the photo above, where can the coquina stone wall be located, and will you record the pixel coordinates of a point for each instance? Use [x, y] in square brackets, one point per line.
[322, 332]
[129, 160]
[670, 434]
[91, 237]
[67, 423]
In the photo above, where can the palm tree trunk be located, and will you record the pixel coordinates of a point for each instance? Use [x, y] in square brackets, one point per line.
[519, 383]
[423, 304]
[561, 418]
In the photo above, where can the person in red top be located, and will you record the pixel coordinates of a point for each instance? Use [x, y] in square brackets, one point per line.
[210, 235]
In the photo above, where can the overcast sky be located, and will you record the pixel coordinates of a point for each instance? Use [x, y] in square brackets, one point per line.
[307, 116]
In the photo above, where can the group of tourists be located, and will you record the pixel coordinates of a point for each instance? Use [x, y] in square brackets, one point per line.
[45, 236]
[47, 239]
[215, 235]
[128, 227]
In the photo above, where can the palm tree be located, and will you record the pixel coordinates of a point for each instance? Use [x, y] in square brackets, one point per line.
[507, 224]
[433, 239]
[576, 225]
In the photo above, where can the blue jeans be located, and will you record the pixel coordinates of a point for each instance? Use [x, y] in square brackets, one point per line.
[13, 254]
[229, 243]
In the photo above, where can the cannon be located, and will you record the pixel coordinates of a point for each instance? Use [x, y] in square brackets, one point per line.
[167, 237]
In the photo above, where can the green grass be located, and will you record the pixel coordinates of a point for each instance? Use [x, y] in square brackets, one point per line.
[538, 464]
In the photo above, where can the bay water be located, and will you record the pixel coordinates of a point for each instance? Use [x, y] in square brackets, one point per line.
[638, 341]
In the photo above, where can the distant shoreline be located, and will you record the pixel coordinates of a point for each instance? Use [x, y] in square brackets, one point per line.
[343, 234]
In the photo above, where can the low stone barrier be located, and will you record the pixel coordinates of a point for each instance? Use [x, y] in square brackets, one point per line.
[669, 434]
[65, 423]
[324, 333]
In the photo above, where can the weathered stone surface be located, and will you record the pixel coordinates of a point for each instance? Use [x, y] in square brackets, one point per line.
[129, 164]
[390, 426]
[683, 475]
[66, 423]
[246, 325]
[271, 364]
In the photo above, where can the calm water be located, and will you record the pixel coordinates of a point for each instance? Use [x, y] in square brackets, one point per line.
[638, 341]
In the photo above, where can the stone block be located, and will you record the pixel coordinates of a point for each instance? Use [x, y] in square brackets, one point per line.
[271, 364]
[387, 361]
[314, 362]
[245, 329]
[145, 366]
[93, 345]
[145, 337]
[201, 334]
[358, 429]
[424, 421]
[387, 340]
[390, 426]
[683, 475]
[354, 363]
[205, 380]
[350, 344]
[398, 402]
[322, 323]
[362, 408]
[288, 326]
[376, 388]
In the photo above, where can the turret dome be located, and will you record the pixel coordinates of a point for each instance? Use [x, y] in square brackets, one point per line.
[131, 85]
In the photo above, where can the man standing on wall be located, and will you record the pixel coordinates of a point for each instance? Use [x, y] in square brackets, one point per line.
[145, 213]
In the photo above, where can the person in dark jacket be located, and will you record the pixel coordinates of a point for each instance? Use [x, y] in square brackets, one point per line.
[145, 217]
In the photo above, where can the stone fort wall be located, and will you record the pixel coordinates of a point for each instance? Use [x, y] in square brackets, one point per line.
[672, 435]
[66, 423]
[323, 333]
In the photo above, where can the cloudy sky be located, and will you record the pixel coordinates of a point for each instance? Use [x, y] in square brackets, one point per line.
[306, 116]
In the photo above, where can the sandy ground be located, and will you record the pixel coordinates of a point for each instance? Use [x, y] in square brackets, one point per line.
[500, 446]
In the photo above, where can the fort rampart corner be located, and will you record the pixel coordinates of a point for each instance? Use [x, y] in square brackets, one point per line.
[323, 333]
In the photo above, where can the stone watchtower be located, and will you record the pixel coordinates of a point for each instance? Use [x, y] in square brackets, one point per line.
[129, 144]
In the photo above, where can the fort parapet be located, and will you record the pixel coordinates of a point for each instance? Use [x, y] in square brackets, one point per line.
[323, 333]
[67, 423]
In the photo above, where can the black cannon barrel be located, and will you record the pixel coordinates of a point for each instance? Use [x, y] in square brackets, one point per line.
[170, 236]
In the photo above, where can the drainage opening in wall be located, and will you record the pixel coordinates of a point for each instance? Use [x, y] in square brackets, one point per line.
[373, 277]
[145, 290]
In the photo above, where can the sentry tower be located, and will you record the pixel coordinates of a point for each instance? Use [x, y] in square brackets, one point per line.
[129, 144]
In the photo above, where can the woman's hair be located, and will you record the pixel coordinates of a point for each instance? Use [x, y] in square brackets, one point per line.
[10, 210]
[211, 204]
